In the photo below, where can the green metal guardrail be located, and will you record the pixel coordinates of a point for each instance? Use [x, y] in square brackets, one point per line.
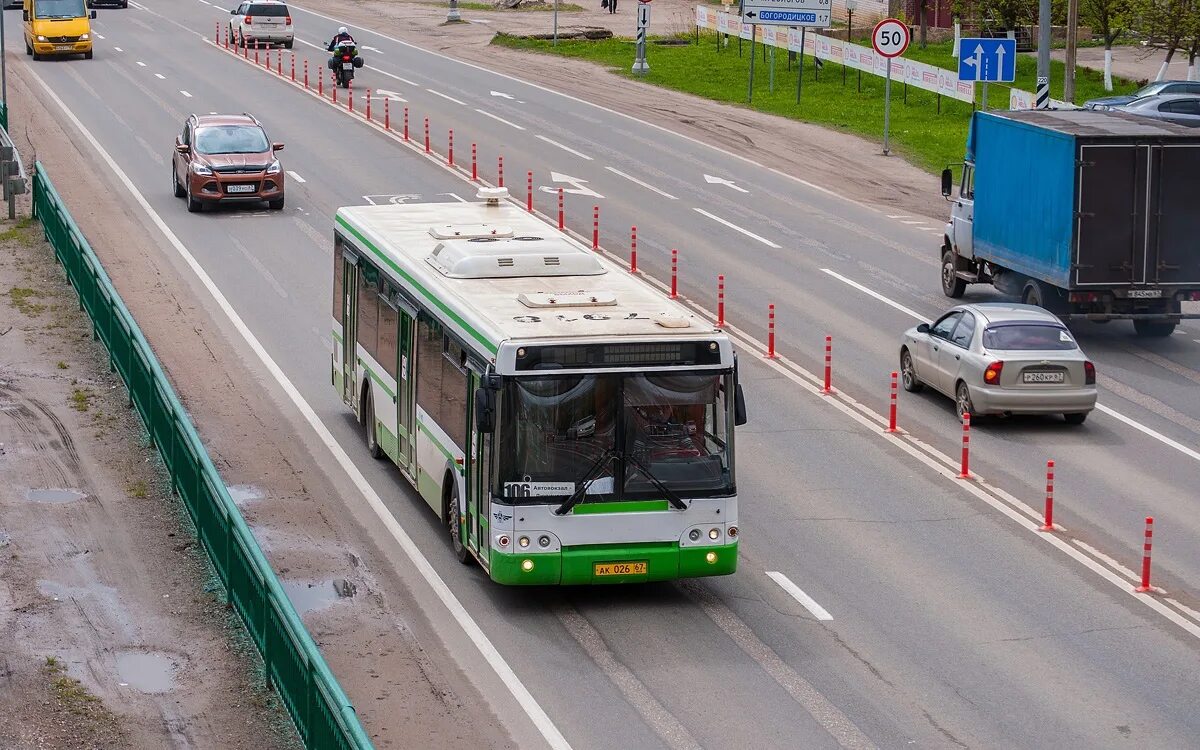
[323, 714]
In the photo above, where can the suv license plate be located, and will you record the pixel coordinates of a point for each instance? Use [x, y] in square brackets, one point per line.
[1145, 293]
[1042, 377]
[64, 47]
[240, 189]
[620, 569]
[348, 66]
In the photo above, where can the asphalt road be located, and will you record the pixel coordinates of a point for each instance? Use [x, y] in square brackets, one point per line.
[952, 623]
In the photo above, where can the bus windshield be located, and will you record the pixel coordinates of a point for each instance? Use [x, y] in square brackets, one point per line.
[59, 9]
[626, 435]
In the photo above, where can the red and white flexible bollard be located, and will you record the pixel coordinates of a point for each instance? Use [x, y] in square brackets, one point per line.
[349, 96]
[474, 164]
[965, 468]
[674, 273]
[217, 37]
[406, 123]
[1048, 524]
[333, 92]
[721, 300]
[427, 135]
[306, 75]
[892, 403]
[595, 227]
[450, 147]
[368, 105]
[529, 192]
[279, 64]
[771, 331]
[632, 249]
[561, 213]
[293, 66]
[387, 113]
[828, 389]
[1145, 587]
[321, 85]
[500, 170]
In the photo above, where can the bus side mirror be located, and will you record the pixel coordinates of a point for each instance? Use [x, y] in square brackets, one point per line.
[947, 182]
[484, 411]
[739, 407]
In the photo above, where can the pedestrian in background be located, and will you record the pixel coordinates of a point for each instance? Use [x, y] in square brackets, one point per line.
[612, 6]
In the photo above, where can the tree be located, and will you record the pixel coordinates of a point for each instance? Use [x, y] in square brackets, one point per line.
[1109, 18]
[1169, 22]
[1007, 14]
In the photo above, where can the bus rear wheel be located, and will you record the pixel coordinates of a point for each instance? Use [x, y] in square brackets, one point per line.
[453, 524]
[373, 447]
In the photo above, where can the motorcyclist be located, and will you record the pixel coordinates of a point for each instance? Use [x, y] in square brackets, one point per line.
[343, 35]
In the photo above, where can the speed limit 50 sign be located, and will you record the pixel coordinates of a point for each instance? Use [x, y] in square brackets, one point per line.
[890, 37]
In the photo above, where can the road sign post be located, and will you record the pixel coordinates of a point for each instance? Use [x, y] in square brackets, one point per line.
[643, 23]
[890, 39]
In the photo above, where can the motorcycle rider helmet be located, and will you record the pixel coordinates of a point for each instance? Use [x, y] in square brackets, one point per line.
[343, 30]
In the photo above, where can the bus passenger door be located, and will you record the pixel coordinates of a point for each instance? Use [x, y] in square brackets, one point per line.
[406, 390]
[350, 330]
[479, 477]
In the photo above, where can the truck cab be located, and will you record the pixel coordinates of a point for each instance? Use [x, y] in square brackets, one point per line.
[57, 27]
[959, 240]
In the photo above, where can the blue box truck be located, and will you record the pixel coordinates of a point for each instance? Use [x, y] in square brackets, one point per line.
[1091, 214]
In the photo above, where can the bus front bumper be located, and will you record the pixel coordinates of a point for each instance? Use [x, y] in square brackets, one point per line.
[589, 564]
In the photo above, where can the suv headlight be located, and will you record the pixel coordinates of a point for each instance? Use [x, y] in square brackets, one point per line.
[198, 168]
[84, 37]
[275, 168]
[41, 38]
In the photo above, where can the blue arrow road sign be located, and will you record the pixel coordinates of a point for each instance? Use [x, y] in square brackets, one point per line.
[987, 60]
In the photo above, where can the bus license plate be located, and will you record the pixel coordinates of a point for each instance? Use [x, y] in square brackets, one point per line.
[620, 569]
[240, 189]
[1043, 377]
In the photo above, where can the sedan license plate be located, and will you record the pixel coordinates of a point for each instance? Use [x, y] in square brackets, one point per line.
[620, 569]
[1042, 377]
[348, 66]
[240, 189]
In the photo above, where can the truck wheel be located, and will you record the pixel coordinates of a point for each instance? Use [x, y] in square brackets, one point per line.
[1155, 329]
[952, 286]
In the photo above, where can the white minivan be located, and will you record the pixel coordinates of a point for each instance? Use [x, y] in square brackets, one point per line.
[263, 21]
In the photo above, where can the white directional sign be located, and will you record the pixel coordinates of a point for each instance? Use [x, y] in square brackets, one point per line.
[576, 186]
[786, 12]
[722, 181]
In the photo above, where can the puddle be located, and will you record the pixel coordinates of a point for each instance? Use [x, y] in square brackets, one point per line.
[244, 493]
[306, 597]
[54, 496]
[147, 672]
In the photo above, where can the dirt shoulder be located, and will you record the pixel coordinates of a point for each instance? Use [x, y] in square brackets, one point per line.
[813, 153]
[111, 630]
[382, 647]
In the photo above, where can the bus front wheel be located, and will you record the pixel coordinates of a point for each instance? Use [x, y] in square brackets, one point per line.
[452, 522]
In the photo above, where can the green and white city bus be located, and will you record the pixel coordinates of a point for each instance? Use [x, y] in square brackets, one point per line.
[568, 422]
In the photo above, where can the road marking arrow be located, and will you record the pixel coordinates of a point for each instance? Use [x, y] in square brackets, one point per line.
[577, 186]
[386, 94]
[502, 94]
[372, 49]
[722, 181]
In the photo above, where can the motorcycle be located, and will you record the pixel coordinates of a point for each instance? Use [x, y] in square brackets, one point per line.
[344, 62]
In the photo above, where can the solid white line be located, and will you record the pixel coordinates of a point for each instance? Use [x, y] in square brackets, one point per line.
[528, 703]
[872, 293]
[912, 222]
[499, 119]
[1108, 560]
[1190, 453]
[160, 76]
[636, 181]
[568, 149]
[798, 594]
[206, 2]
[735, 227]
[897, 216]
[447, 97]
[189, 96]
[296, 177]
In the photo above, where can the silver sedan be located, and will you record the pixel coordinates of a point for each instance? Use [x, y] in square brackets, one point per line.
[1000, 358]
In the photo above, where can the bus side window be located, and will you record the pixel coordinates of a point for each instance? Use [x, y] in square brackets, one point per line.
[338, 280]
[429, 366]
[389, 333]
[454, 392]
[368, 309]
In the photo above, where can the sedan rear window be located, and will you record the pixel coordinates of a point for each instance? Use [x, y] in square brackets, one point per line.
[1028, 337]
[268, 10]
[231, 139]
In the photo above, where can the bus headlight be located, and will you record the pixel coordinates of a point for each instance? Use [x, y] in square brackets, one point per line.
[732, 532]
[523, 541]
[543, 541]
[710, 558]
[714, 534]
[527, 565]
[694, 535]
[503, 540]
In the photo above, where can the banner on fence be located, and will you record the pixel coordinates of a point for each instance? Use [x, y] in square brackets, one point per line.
[917, 74]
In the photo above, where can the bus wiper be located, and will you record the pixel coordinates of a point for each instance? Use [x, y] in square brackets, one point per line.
[672, 498]
[582, 485]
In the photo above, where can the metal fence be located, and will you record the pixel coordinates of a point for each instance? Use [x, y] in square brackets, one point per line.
[323, 714]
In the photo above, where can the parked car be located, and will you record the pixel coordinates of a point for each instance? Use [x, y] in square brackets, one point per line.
[1152, 89]
[1000, 358]
[1182, 109]
[226, 159]
[264, 21]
